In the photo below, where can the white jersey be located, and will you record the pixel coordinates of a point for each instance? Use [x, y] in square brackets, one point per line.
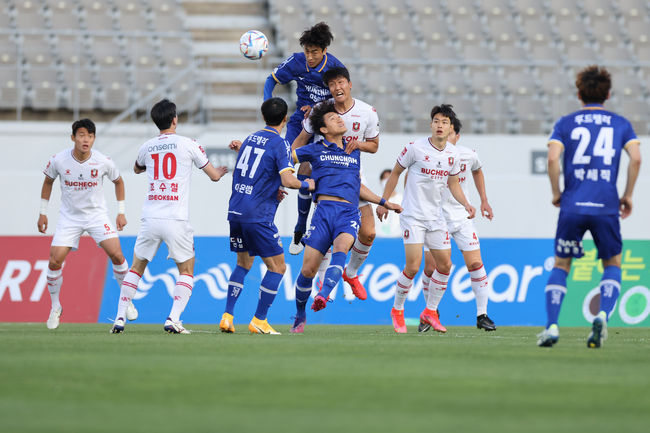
[361, 121]
[469, 162]
[82, 194]
[168, 159]
[428, 171]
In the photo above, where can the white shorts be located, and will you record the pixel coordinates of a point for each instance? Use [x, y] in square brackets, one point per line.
[67, 233]
[464, 234]
[178, 235]
[433, 234]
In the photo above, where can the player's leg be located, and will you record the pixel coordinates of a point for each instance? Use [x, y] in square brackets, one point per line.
[310, 262]
[413, 255]
[54, 282]
[437, 286]
[607, 237]
[429, 267]
[360, 250]
[342, 244]
[324, 264]
[276, 268]
[120, 268]
[304, 205]
[480, 287]
[236, 279]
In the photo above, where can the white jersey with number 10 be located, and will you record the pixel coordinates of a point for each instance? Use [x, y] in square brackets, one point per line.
[168, 159]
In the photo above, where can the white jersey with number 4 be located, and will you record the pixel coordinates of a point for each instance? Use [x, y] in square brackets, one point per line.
[361, 121]
[82, 194]
[428, 171]
[469, 162]
[168, 159]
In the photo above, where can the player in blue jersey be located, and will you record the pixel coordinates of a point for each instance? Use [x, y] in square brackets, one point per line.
[306, 69]
[263, 164]
[336, 220]
[592, 139]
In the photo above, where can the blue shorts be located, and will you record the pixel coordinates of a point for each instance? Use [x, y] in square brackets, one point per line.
[571, 227]
[294, 127]
[258, 239]
[330, 219]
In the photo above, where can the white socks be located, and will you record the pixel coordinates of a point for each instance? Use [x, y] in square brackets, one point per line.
[426, 279]
[404, 284]
[54, 281]
[358, 255]
[324, 264]
[480, 289]
[127, 291]
[437, 289]
[120, 271]
[182, 293]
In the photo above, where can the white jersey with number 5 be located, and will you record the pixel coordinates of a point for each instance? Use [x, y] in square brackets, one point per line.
[428, 171]
[168, 159]
[82, 195]
[469, 163]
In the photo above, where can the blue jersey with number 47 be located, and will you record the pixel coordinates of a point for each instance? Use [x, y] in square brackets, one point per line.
[263, 156]
[593, 139]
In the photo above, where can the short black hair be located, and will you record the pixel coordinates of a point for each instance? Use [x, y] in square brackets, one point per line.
[319, 35]
[444, 109]
[274, 110]
[334, 73]
[83, 123]
[594, 84]
[317, 116]
[456, 123]
[163, 113]
[386, 170]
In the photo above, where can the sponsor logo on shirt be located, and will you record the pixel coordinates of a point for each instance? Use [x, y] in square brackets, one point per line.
[93, 173]
[356, 126]
[161, 147]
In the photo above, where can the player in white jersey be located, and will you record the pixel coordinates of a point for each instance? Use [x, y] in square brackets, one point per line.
[362, 133]
[433, 165]
[463, 232]
[83, 209]
[168, 160]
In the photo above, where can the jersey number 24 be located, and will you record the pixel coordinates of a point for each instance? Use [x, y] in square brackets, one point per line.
[603, 147]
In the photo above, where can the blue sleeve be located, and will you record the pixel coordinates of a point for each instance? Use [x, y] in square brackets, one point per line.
[269, 85]
[628, 134]
[284, 73]
[557, 134]
[302, 154]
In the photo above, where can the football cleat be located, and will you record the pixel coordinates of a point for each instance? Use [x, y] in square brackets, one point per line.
[258, 326]
[54, 319]
[484, 322]
[118, 326]
[398, 320]
[356, 286]
[298, 325]
[319, 303]
[423, 326]
[433, 319]
[549, 336]
[296, 247]
[172, 327]
[226, 324]
[131, 312]
[598, 332]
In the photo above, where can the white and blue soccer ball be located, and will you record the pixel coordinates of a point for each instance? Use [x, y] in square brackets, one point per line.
[253, 44]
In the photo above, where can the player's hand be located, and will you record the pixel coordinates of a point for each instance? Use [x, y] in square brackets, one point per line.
[312, 184]
[235, 145]
[120, 222]
[625, 207]
[42, 223]
[351, 146]
[486, 211]
[281, 194]
[394, 207]
[557, 198]
[306, 109]
[381, 212]
[471, 210]
[222, 170]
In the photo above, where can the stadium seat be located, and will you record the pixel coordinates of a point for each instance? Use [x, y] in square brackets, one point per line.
[420, 108]
[64, 15]
[380, 79]
[324, 10]
[69, 49]
[36, 49]
[106, 51]
[391, 112]
[96, 15]
[81, 87]
[45, 88]
[450, 81]
[528, 8]
[8, 87]
[415, 80]
[115, 89]
[167, 16]
[637, 111]
[130, 16]
[8, 50]
[461, 8]
[28, 15]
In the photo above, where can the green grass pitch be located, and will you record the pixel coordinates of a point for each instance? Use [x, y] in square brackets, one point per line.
[80, 378]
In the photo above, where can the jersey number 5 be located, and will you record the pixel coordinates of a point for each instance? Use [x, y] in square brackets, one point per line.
[168, 165]
[242, 164]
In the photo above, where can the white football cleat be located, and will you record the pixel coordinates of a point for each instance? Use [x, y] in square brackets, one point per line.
[175, 327]
[131, 312]
[548, 337]
[118, 326]
[54, 319]
[296, 249]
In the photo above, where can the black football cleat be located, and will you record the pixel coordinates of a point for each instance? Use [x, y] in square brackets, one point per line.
[484, 322]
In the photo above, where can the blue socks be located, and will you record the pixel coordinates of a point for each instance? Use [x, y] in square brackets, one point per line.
[610, 287]
[268, 290]
[303, 291]
[235, 286]
[333, 273]
[304, 204]
[555, 291]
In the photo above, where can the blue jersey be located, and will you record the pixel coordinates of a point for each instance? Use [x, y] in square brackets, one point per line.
[335, 172]
[593, 140]
[263, 156]
[310, 86]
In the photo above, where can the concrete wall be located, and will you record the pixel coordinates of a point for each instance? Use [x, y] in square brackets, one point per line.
[520, 200]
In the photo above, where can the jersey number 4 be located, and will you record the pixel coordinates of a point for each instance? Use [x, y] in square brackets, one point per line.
[242, 164]
[603, 147]
[168, 165]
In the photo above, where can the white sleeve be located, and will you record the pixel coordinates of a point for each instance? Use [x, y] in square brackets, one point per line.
[141, 160]
[199, 156]
[50, 169]
[455, 168]
[372, 130]
[111, 170]
[476, 163]
[406, 158]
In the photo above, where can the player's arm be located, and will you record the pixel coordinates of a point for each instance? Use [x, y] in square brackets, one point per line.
[554, 152]
[391, 183]
[120, 195]
[633, 168]
[371, 145]
[269, 85]
[366, 194]
[479, 183]
[214, 173]
[235, 145]
[301, 139]
[291, 181]
[137, 168]
[457, 192]
[46, 192]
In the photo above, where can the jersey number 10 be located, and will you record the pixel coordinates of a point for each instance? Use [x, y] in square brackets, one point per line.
[168, 165]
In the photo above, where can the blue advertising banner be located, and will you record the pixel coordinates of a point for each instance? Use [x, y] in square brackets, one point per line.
[517, 269]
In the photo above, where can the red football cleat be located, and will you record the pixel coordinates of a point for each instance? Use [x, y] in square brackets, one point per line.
[357, 288]
[431, 317]
[398, 321]
[319, 303]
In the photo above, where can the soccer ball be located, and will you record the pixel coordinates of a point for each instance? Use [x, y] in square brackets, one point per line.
[253, 44]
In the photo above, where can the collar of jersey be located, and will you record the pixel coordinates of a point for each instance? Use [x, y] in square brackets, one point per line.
[269, 129]
[330, 144]
[593, 107]
[322, 64]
